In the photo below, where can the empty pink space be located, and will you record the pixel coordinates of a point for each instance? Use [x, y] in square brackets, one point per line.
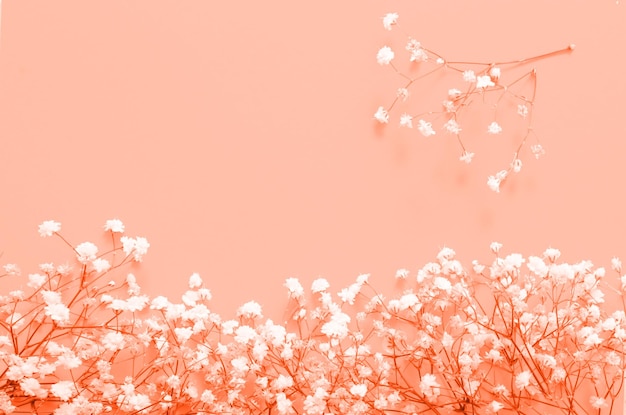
[239, 138]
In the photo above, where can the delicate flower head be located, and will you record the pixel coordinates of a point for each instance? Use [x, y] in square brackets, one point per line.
[494, 128]
[101, 265]
[616, 264]
[495, 406]
[454, 93]
[402, 93]
[597, 402]
[425, 128]
[49, 227]
[385, 55]
[537, 150]
[319, 285]
[494, 183]
[522, 110]
[389, 20]
[495, 72]
[469, 76]
[406, 121]
[516, 165]
[402, 273]
[294, 287]
[452, 126]
[552, 254]
[522, 380]
[429, 387]
[86, 252]
[63, 389]
[495, 247]
[484, 81]
[195, 281]
[114, 225]
[467, 157]
[251, 309]
[381, 115]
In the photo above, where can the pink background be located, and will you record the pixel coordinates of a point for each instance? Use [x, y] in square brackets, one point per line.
[238, 138]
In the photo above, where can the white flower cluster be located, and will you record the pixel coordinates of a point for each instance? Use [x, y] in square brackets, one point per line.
[488, 79]
[506, 336]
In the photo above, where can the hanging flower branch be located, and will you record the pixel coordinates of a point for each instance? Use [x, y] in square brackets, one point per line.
[479, 79]
[518, 336]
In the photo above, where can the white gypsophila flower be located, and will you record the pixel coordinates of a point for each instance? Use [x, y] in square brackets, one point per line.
[449, 106]
[381, 115]
[228, 327]
[244, 334]
[319, 285]
[494, 184]
[425, 128]
[195, 281]
[522, 380]
[58, 313]
[494, 128]
[495, 72]
[495, 406]
[454, 93]
[294, 287]
[35, 281]
[418, 55]
[402, 93]
[389, 20]
[616, 264]
[597, 402]
[113, 341]
[282, 382]
[114, 225]
[445, 254]
[49, 227]
[86, 252]
[385, 55]
[469, 76]
[141, 248]
[402, 273]
[32, 387]
[51, 297]
[359, 390]
[362, 279]
[552, 254]
[348, 295]
[283, 404]
[537, 150]
[137, 246]
[495, 247]
[406, 121]
[337, 327]
[100, 265]
[452, 126]
[11, 269]
[484, 81]
[183, 334]
[5, 403]
[251, 309]
[467, 157]
[516, 165]
[430, 387]
[63, 389]
[522, 110]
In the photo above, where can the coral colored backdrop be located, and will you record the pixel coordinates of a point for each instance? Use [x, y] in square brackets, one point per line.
[239, 139]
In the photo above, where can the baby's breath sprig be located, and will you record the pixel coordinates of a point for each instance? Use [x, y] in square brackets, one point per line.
[521, 335]
[480, 80]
